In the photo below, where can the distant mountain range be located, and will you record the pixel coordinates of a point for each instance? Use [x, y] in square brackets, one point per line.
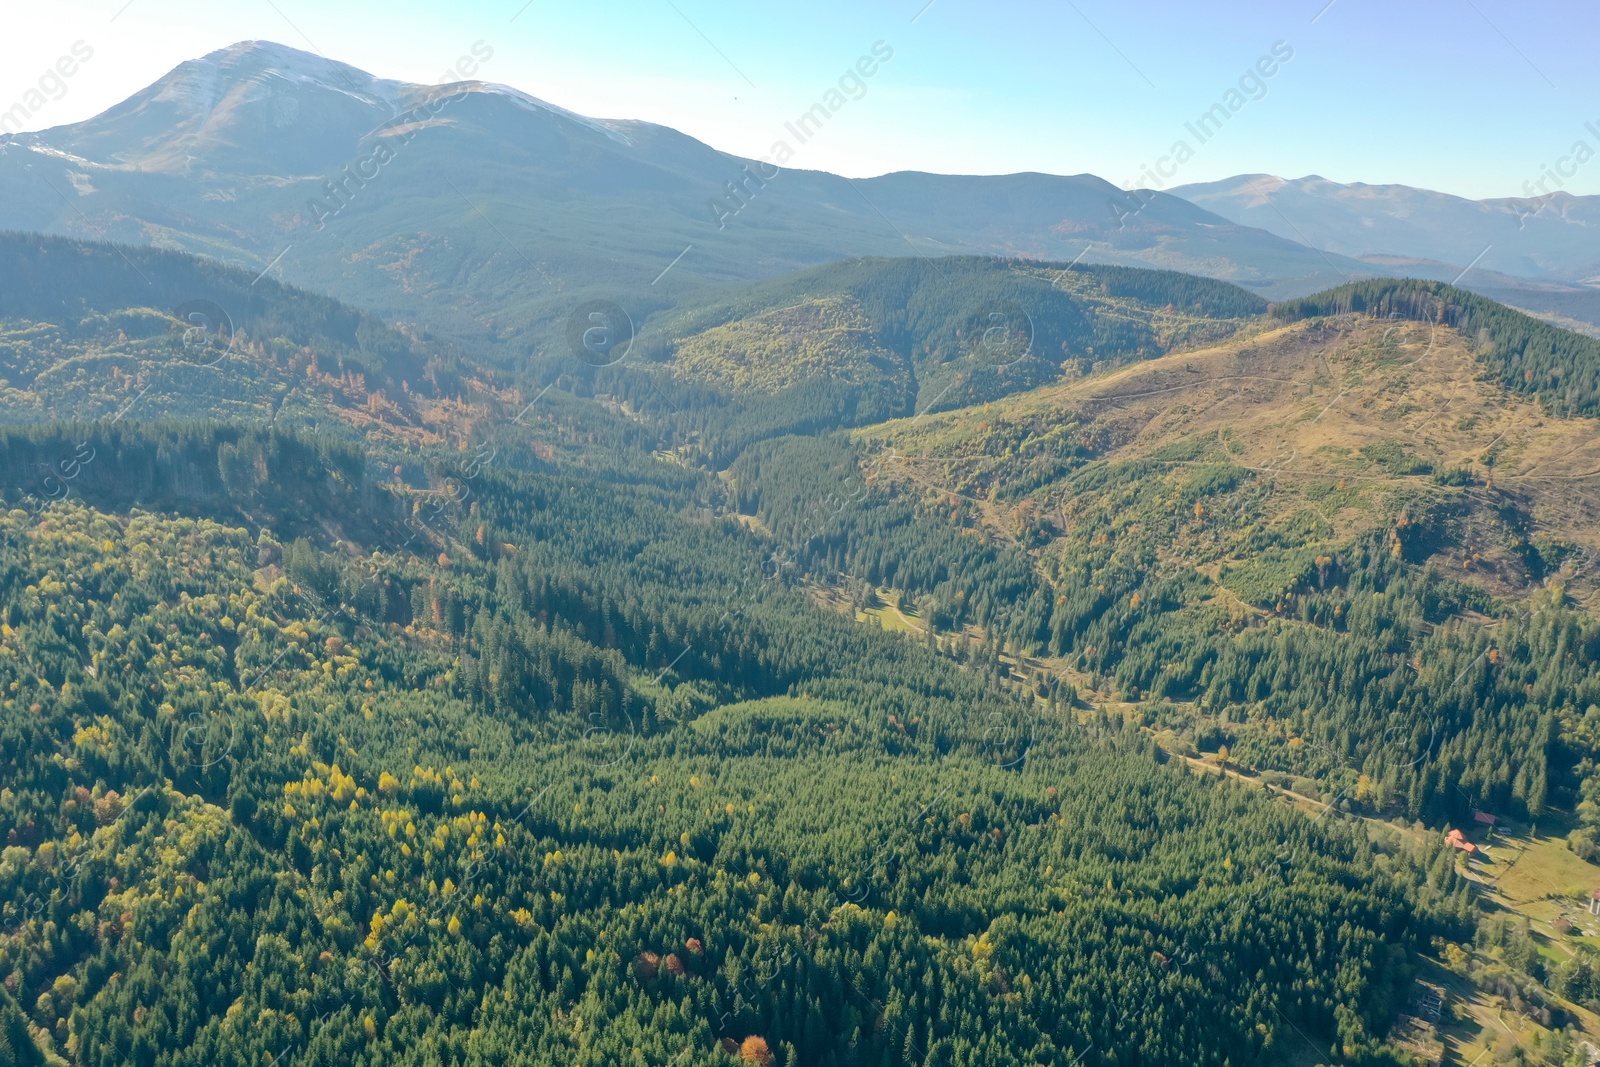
[1541, 251]
[480, 207]
[1554, 237]
[483, 211]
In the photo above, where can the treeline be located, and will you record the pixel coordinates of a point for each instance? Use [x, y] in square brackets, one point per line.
[293, 480]
[1188, 292]
[1525, 355]
[917, 304]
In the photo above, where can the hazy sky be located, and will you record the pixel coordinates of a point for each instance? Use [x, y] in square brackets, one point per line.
[1468, 96]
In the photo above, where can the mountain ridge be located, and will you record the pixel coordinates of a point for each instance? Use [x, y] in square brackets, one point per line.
[1541, 235]
[531, 205]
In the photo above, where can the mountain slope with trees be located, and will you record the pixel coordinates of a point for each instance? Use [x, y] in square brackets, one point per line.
[390, 800]
[516, 727]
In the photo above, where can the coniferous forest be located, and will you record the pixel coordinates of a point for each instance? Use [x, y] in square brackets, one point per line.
[484, 713]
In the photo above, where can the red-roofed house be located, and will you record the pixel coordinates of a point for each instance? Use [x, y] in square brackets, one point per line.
[1483, 818]
[1457, 839]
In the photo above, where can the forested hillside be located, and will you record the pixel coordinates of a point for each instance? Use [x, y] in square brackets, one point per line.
[1348, 558]
[92, 331]
[1369, 616]
[866, 340]
[373, 704]
[561, 778]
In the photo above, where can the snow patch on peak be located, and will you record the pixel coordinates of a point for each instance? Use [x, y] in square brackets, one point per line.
[534, 103]
[200, 83]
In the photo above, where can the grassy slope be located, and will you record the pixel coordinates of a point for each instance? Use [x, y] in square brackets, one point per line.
[1350, 421]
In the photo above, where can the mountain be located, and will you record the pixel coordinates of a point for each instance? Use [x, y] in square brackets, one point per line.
[479, 207]
[1547, 236]
[1376, 486]
[869, 339]
[1540, 251]
[827, 651]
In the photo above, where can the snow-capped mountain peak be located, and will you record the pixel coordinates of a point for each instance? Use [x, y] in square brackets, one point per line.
[203, 83]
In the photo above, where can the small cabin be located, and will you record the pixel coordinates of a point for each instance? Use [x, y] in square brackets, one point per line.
[1457, 839]
[1483, 818]
[1594, 902]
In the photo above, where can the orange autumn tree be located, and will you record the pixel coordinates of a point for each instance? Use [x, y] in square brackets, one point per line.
[754, 1050]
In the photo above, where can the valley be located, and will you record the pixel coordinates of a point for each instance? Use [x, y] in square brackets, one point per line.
[471, 593]
[634, 575]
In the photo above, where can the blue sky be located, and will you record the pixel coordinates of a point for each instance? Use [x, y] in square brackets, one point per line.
[1467, 96]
